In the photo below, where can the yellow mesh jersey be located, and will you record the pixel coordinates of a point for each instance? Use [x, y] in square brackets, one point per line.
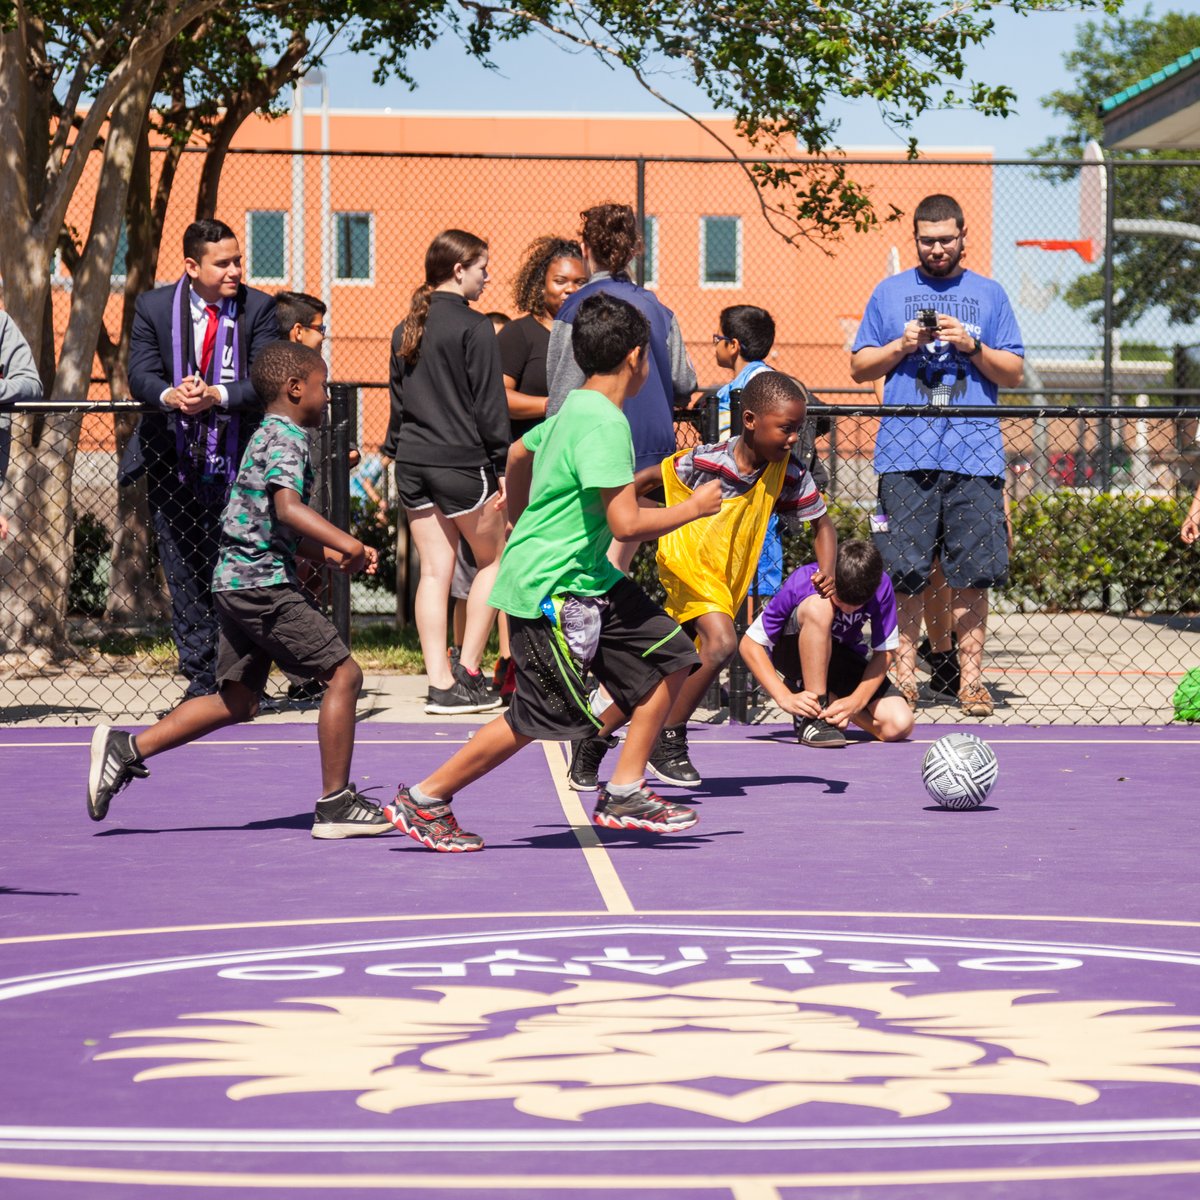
[707, 565]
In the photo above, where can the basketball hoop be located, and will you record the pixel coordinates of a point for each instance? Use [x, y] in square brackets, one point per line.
[1084, 247]
[1093, 203]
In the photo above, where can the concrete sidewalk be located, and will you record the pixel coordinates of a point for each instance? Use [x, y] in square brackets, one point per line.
[1043, 669]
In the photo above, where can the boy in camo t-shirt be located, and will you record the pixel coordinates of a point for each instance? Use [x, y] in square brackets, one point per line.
[264, 616]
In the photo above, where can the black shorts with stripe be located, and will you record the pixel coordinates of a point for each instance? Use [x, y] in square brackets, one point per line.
[639, 645]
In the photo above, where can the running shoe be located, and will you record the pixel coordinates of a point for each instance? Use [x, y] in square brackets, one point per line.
[583, 775]
[642, 810]
[478, 685]
[457, 698]
[669, 759]
[114, 763]
[348, 814]
[433, 825]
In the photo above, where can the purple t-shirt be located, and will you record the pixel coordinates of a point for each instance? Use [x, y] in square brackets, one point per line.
[778, 617]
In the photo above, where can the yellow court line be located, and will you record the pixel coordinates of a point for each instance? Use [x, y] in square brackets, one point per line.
[608, 1183]
[612, 890]
[699, 915]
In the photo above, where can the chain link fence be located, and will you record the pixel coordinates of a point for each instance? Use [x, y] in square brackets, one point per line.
[1098, 616]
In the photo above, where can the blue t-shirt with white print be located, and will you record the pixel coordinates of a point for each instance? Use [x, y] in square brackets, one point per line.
[939, 373]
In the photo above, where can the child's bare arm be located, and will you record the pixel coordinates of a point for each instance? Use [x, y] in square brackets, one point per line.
[315, 530]
[825, 545]
[630, 522]
[647, 479]
[758, 659]
[842, 709]
[518, 475]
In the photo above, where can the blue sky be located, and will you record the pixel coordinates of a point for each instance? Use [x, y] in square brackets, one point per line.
[538, 75]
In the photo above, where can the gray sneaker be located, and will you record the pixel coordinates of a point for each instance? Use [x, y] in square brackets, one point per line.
[348, 814]
[642, 810]
[479, 686]
[113, 764]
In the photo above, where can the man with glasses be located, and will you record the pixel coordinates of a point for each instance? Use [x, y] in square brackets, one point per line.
[939, 334]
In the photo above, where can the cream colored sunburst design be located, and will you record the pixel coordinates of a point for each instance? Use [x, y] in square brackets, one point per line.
[600, 1045]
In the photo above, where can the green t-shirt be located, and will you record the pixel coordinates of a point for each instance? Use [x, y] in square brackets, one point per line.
[560, 542]
[256, 549]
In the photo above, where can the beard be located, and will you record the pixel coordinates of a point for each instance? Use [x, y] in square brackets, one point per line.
[944, 267]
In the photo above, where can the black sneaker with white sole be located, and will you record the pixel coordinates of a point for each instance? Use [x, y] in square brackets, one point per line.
[669, 759]
[643, 810]
[583, 775]
[813, 731]
[348, 814]
[457, 698]
[113, 764]
[479, 686]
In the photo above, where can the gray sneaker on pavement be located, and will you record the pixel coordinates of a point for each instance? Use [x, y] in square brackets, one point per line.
[113, 764]
[348, 814]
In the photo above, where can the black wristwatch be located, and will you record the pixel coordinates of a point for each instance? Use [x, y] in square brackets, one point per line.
[976, 348]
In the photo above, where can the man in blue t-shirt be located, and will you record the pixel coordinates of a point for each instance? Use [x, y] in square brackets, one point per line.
[939, 334]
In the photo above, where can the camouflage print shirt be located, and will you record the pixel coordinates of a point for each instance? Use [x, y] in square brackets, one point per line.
[257, 550]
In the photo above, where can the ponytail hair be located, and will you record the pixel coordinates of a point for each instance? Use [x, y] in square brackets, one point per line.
[450, 247]
[612, 237]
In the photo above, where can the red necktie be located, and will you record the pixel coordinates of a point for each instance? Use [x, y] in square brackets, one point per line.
[210, 336]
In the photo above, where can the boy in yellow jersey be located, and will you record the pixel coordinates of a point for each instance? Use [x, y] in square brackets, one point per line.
[706, 566]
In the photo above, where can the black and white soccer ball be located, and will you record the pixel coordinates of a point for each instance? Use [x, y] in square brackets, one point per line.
[959, 770]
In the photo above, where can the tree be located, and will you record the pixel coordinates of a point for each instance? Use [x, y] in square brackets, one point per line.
[77, 78]
[1108, 57]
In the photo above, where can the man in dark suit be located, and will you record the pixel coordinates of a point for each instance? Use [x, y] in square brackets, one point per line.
[190, 352]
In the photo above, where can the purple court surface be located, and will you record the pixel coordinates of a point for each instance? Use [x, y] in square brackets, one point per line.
[829, 988]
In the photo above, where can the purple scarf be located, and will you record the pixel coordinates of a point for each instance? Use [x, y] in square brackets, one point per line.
[205, 445]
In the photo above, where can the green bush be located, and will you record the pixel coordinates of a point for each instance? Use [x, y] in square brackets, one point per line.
[1071, 549]
[375, 525]
[87, 591]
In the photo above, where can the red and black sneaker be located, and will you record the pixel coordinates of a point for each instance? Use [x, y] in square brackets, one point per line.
[642, 810]
[433, 825]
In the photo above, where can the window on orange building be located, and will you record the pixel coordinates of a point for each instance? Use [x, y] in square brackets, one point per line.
[120, 259]
[650, 253]
[355, 247]
[267, 246]
[720, 251]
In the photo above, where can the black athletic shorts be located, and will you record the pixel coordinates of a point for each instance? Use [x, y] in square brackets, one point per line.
[261, 626]
[639, 645]
[845, 670]
[453, 491]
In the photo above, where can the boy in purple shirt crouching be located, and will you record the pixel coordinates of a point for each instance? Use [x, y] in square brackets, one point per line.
[830, 677]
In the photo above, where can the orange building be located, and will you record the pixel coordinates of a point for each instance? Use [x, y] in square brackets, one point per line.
[352, 225]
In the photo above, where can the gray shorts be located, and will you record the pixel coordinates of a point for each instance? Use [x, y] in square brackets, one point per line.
[940, 513]
[261, 626]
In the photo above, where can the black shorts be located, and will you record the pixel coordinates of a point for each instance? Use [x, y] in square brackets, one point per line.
[932, 513]
[846, 670]
[639, 645]
[261, 626]
[453, 491]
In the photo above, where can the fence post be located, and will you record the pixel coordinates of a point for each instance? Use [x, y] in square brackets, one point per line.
[739, 677]
[641, 220]
[343, 401]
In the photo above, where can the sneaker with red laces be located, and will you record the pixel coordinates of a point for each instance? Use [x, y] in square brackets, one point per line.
[431, 824]
[642, 810]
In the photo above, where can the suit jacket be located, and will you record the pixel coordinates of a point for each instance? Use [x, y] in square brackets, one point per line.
[150, 356]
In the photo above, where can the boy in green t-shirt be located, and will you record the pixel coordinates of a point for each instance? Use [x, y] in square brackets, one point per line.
[570, 491]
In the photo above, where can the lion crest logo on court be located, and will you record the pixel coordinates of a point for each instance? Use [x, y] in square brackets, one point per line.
[736, 1050]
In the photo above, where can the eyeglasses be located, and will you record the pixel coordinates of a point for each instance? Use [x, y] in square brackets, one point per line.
[718, 338]
[317, 329]
[928, 243]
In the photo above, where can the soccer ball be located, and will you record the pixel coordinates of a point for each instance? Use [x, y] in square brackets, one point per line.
[959, 770]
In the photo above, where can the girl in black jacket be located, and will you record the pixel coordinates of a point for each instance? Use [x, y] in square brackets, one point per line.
[449, 436]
